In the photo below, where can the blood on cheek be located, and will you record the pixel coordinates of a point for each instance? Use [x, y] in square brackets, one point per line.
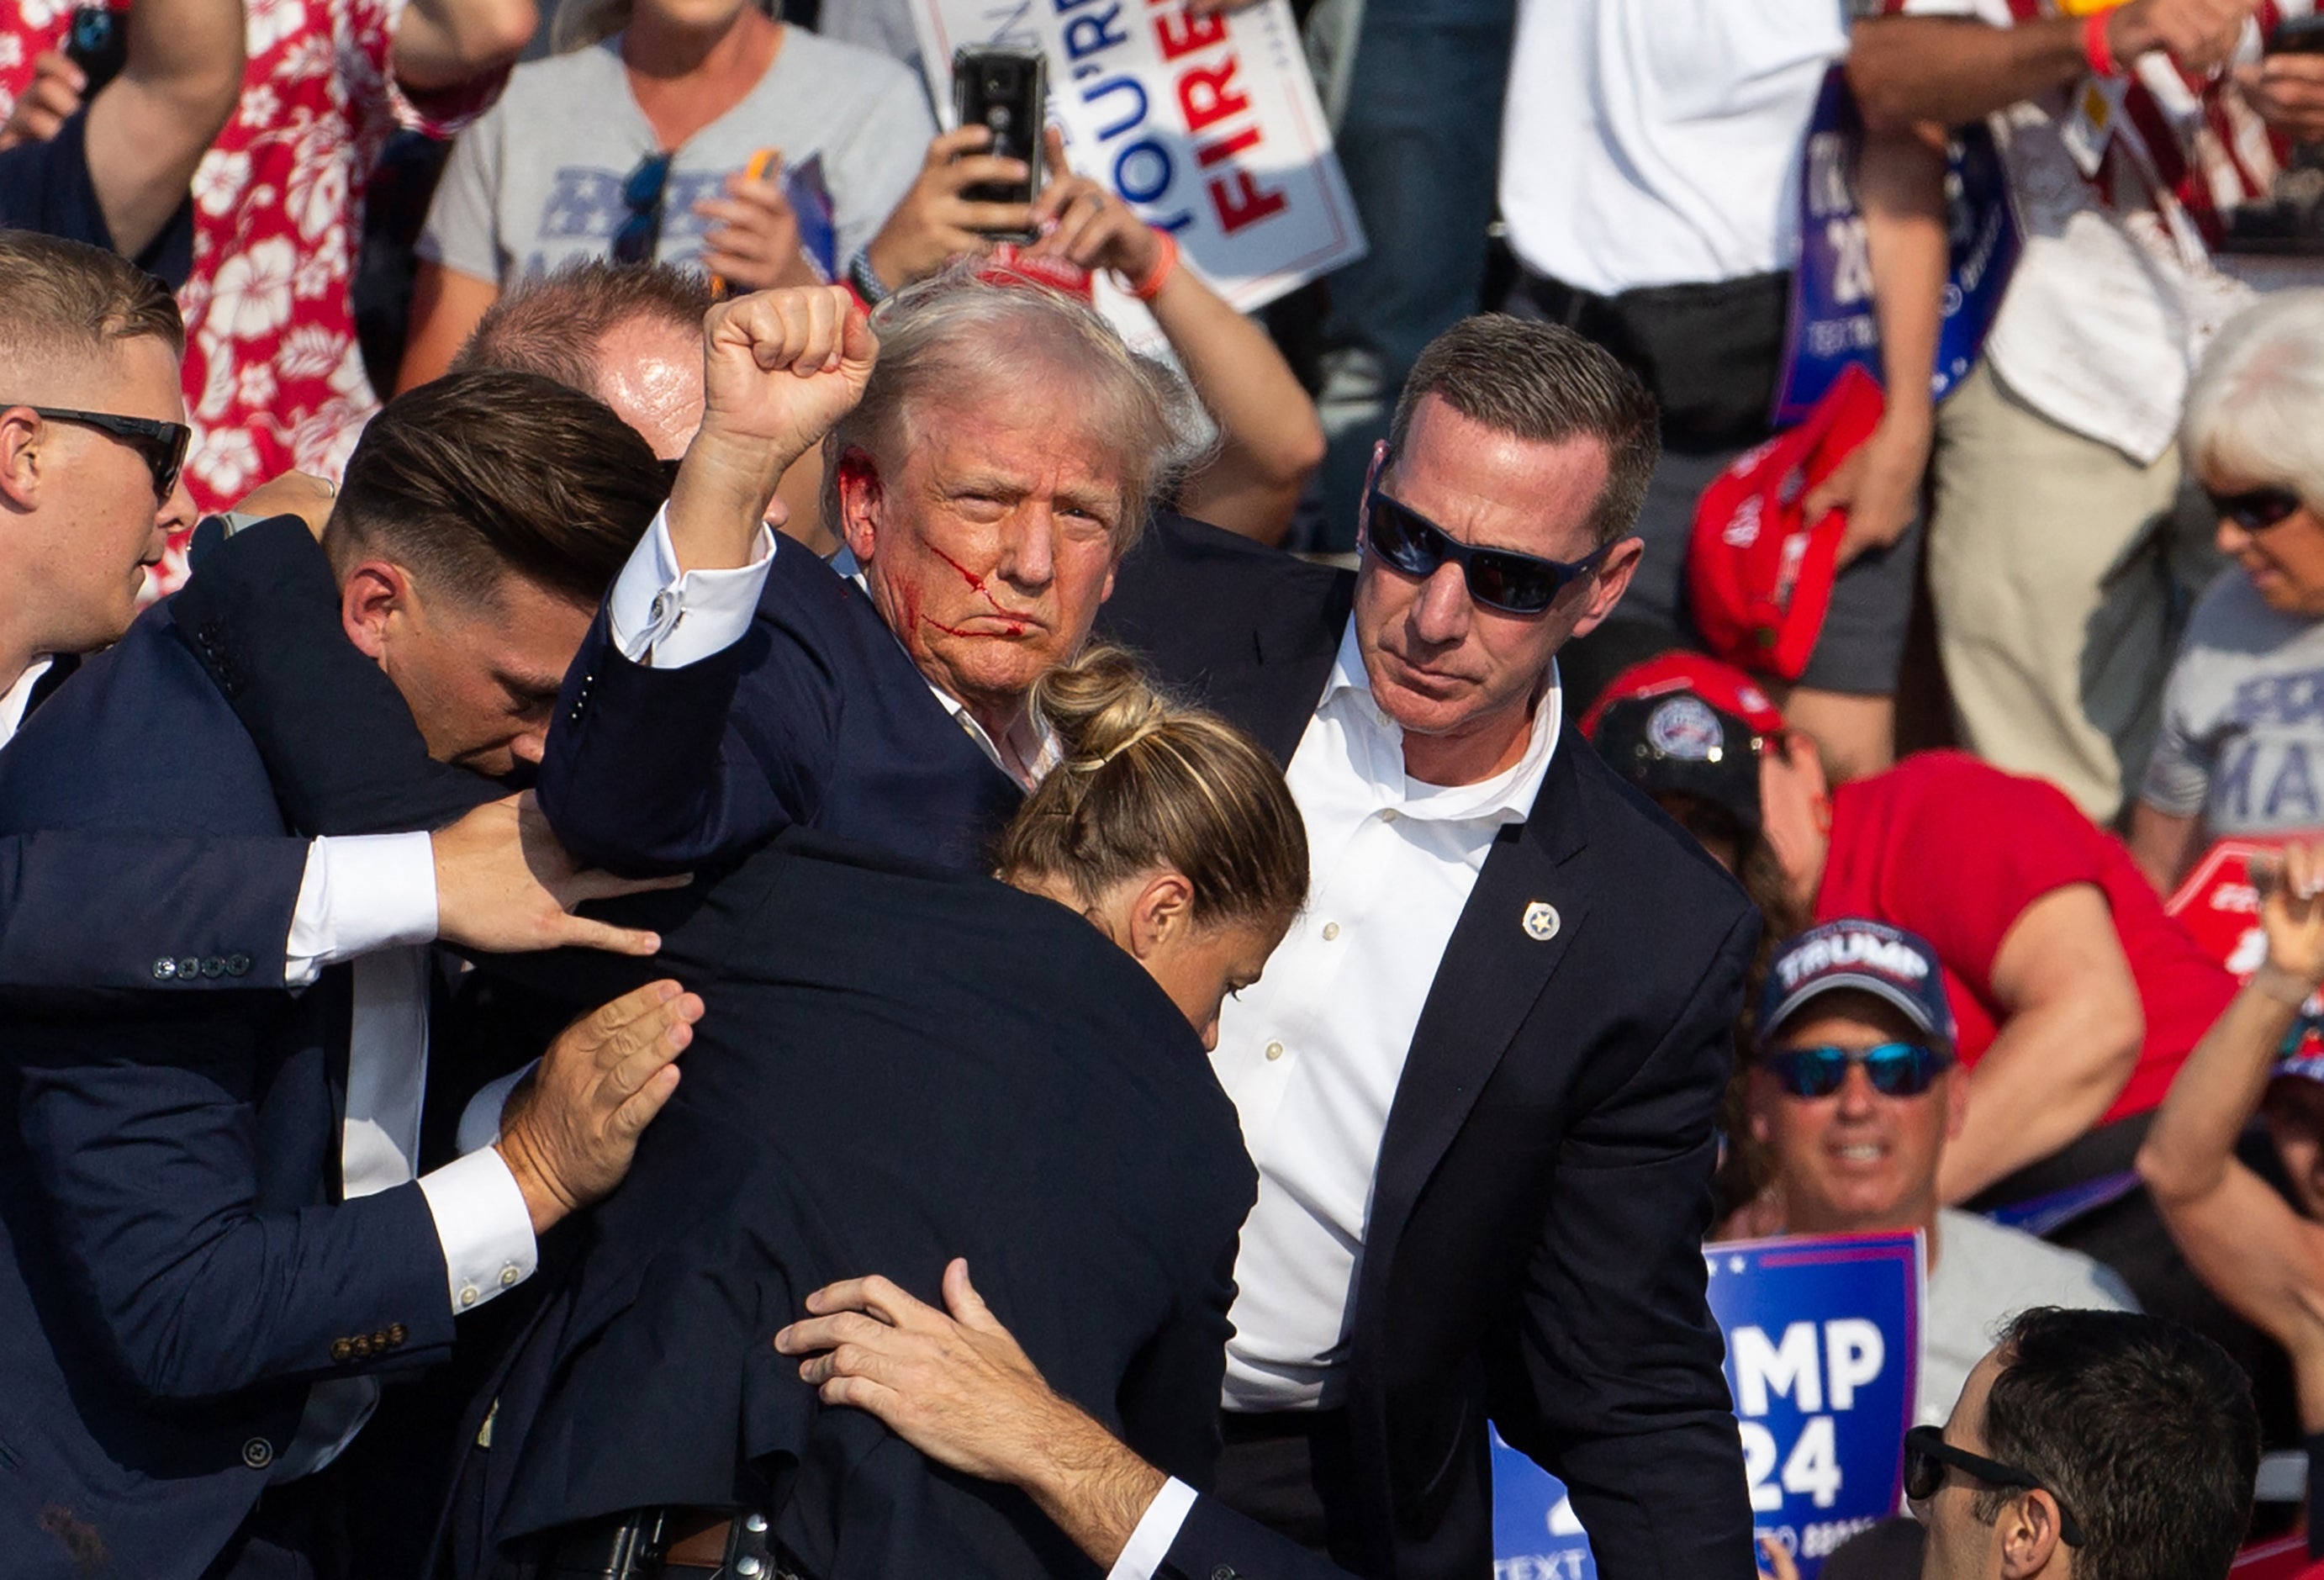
[976, 585]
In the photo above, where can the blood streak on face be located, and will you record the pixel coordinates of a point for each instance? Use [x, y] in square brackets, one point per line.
[976, 583]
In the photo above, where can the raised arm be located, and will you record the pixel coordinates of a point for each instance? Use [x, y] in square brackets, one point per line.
[150, 126]
[441, 44]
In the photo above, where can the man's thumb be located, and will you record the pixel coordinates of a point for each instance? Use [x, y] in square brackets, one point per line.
[967, 1307]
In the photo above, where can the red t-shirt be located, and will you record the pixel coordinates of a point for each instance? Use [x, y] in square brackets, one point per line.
[1955, 850]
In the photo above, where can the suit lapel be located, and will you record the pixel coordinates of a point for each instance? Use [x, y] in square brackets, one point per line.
[1273, 696]
[60, 670]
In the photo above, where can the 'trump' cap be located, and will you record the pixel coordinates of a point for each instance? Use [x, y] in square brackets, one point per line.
[1871, 957]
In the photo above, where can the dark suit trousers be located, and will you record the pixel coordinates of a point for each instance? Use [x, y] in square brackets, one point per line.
[1291, 1471]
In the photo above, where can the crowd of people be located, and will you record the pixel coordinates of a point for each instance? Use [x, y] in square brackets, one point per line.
[797, 915]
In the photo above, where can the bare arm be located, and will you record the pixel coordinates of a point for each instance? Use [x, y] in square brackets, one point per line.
[150, 126]
[444, 307]
[2070, 1030]
[2164, 843]
[441, 44]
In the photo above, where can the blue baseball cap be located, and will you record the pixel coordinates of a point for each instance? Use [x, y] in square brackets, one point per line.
[1894, 966]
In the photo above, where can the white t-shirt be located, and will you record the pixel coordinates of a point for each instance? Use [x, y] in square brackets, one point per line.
[1658, 142]
[1985, 1275]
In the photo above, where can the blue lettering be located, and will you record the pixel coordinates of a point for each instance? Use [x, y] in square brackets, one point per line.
[2231, 788]
[1141, 170]
[1086, 35]
[1091, 94]
[2291, 780]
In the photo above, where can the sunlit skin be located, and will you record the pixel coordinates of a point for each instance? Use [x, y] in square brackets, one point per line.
[988, 550]
[2284, 561]
[481, 680]
[1858, 1159]
[1461, 679]
[2294, 1110]
[77, 504]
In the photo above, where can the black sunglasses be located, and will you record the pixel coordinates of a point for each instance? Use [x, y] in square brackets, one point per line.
[1498, 578]
[2254, 510]
[642, 194]
[1927, 1457]
[1897, 1070]
[160, 445]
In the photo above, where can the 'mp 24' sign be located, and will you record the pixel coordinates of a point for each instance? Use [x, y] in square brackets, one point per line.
[1823, 1339]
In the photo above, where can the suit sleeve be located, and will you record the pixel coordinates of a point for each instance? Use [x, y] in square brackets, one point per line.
[1611, 1377]
[1169, 1400]
[142, 1136]
[1215, 1541]
[112, 911]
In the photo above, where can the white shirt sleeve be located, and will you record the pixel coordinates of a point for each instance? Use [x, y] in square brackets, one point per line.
[480, 1120]
[483, 1227]
[667, 618]
[1158, 1528]
[360, 894]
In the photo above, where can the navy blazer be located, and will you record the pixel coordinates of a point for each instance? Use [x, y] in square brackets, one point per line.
[176, 1267]
[1534, 1251]
[817, 719]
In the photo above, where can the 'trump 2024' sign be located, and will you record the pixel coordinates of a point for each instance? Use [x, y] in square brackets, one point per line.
[1823, 1345]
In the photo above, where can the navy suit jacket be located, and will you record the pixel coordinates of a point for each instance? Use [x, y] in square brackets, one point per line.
[175, 1269]
[1534, 1250]
[817, 719]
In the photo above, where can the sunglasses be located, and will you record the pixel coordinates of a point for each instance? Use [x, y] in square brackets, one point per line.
[642, 194]
[2254, 510]
[1897, 1070]
[1498, 578]
[160, 445]
[1928, 1456]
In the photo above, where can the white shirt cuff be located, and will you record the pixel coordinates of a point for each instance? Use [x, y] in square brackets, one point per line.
[480, 1120]
[483, 1227]
[1158, 1528]
[360, 894]
[667, 618]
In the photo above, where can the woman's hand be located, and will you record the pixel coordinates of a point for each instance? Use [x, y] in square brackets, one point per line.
[1081, 222]
[754, 241]
[935, 223]
[2291, 911]
[49, 100]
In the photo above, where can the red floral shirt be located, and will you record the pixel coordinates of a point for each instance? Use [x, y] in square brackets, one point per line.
[274, 381]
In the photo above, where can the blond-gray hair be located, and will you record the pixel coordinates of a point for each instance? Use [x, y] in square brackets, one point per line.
[2256, 407]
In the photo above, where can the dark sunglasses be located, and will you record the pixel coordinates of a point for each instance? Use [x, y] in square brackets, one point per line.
[2254, 510]
[642, 194]
[1897, 1070]
[1498, 578]
[160, 445]
[1928, 1456]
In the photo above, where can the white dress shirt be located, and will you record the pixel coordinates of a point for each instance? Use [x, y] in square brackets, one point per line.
[1311, 1053]
[19, 697]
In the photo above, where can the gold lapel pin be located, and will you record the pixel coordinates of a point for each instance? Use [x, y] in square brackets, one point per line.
[1542, 921]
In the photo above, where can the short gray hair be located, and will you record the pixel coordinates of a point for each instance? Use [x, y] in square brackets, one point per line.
[2255, 408]
[951, 338]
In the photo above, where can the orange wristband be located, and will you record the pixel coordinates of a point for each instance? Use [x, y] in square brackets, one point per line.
[2096, 49]
[1148, 288]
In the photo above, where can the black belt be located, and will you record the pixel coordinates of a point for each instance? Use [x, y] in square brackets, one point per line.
[667, 1544]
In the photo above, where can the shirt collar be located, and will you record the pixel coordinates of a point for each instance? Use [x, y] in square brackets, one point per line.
[17, 698]
[1506, 798]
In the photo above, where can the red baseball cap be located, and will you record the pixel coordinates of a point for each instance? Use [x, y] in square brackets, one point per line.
[1758, 573]
[1723, 686]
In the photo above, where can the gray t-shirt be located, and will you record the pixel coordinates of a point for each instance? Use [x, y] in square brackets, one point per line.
[537, 182]
[1985, 1275]
[2241, 741]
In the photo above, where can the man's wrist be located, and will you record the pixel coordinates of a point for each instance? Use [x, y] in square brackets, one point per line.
[1089, 1484]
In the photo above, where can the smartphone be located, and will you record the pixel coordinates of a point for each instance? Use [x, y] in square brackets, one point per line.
[98, 43]
[2297, 35]
[1006, 90]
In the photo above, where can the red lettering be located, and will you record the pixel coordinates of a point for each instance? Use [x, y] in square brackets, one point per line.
[1192, 33]
[1240, 201]
[1207, 96]
[1210, 154]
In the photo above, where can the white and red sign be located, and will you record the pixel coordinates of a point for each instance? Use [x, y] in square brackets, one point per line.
[2218, 903]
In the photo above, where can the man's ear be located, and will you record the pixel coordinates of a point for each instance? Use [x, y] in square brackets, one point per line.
[2028, 1534]
[861, 497]
[22, 455]
[1606, 587]
[374, 599]
[1162, 913]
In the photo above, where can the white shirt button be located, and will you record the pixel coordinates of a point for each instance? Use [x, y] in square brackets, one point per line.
[509, 1276]
[1387, 813]
[1274, 1050]
[1331, 932]
[468, 1295]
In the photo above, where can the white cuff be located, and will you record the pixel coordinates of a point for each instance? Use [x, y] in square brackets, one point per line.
[483, 1227]
[480, 1120]
[667, 618]
[1158, 1528]
[360, 894]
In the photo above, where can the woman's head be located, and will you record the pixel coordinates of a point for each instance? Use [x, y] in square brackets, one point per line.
[2254, 437]
[1164, 825]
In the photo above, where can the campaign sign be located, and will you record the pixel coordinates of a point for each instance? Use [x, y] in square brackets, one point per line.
[2218, 904]
[1832, 322]
[1207, 126]
[1824, 1348]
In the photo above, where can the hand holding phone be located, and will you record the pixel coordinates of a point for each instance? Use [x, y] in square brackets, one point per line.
[1006, 92]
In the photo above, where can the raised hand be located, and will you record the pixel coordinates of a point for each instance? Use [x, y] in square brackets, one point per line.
[505, 886]
[754, 241]
[1081, 222]
[935, 223]
[49, 101]
[2291, 911]
[2201, 35]
[571, 1127]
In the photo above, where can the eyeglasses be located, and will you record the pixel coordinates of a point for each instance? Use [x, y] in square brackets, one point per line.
[160, 445]
[1897, 1070]
[2254, 510]
[1498, 578]
[1928, 1456]
[641, 195]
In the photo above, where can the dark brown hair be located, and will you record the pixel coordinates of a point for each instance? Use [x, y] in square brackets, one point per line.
[482, 475]
[556, 326]
[64, 296]
[1544, 383]
[1146, 782]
